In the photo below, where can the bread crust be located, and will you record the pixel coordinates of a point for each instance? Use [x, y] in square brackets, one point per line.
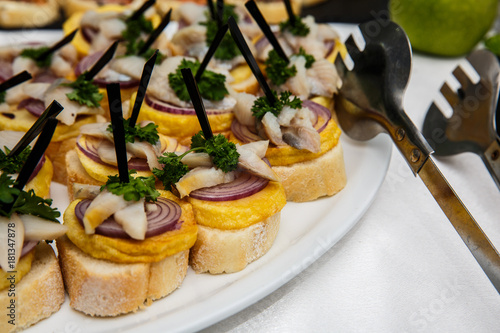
[309, 180]
[20, 14]
[226, 251]
[39, 294]
[102, 288]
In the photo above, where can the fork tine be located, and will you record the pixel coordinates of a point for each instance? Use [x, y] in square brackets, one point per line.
[450, 95]
[340, 66]
[352, 48]
[485, 63]
[462, 78]
[434, 130]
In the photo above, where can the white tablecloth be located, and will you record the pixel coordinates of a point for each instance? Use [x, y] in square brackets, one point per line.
[402, 268]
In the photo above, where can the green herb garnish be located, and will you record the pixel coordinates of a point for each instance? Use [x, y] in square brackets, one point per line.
[13, 164]
[2, 96]
[132, 33]
[23, 202]
[35, 53]
[299, 29]
[211, 85]
[309, 58]
[277, 69]
[148, 133]
[262, 105]
[149, 53]
[227, 49]
[84, 92]
[224, 156]
[135, 189]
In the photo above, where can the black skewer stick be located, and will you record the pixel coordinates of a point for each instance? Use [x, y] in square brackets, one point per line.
[289, 10]
[194, 93]
[115, 109]
[105, 58]
[220, 12]
[38, 150]
[154, 35]
[211, 51]
[264, 26]
[58, 45]
[252, 63]
[15, 80]
[51, 112]
[145, 6]
[143, 85]
[210, 6]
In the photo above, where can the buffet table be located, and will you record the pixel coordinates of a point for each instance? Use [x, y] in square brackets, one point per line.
[402, 267]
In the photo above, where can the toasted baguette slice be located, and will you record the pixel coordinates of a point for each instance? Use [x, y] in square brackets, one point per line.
[39, 294]
[76, 173]
[309, 180]
[104, 288]
[227, 251]
[22, 14]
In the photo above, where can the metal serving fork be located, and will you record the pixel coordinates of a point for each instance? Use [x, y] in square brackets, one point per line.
[370, 102]
[472, 127]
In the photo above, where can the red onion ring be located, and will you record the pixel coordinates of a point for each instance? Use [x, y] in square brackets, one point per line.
[37, 168]
[320, 111]
[5, 70]
[243, 186]
[27, 247]
[170, 108]
[164, 218]
[32, 105]
[45, 77]
[89, 33]
[244, 133]
[90, 150]
[330, 46]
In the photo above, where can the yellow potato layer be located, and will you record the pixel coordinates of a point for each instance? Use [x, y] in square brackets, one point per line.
[23, 120]
[41, 182]
[244, 80]
[101, 171]
[152, 249]
[240, 213]
[73, 22]
[286, 155]
[181, 126]
[338, 48]
[23, 267]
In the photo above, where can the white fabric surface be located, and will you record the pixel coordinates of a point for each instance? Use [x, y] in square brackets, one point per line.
[402, 268]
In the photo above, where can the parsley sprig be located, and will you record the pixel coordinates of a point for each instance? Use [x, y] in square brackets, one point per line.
[227, 49]
[299, 29]
[13, 164]
[261, 105]
[277, 68]
[84, 92]
[2, 96]
[224, 156]
[148, 133]
[132, 33]
[211, 85]
[309, 58]
[135, 189]
[24, 202]
[34, 53]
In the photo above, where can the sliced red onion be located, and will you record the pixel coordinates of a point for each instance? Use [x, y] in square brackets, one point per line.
[261, 43]
[90, 147]
[320, 111]
[330, 46]
[27, 247]
[87, 62]
[37, 168]
[34, 106]
[243, 186]
[164, 218]
[45, 77]
[5, 70]
[89, 33]
[244, 133]
[170, 108]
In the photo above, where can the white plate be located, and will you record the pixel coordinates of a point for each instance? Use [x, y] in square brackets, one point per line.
[307, 231]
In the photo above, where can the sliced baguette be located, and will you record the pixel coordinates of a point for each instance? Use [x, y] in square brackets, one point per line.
[104, 288]
[22, 14]
[227, 251]
[39, 294]
[309, 180]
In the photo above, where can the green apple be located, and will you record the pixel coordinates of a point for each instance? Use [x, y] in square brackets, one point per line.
[444, 27]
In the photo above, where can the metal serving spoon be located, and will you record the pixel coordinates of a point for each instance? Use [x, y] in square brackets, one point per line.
[370, 102]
